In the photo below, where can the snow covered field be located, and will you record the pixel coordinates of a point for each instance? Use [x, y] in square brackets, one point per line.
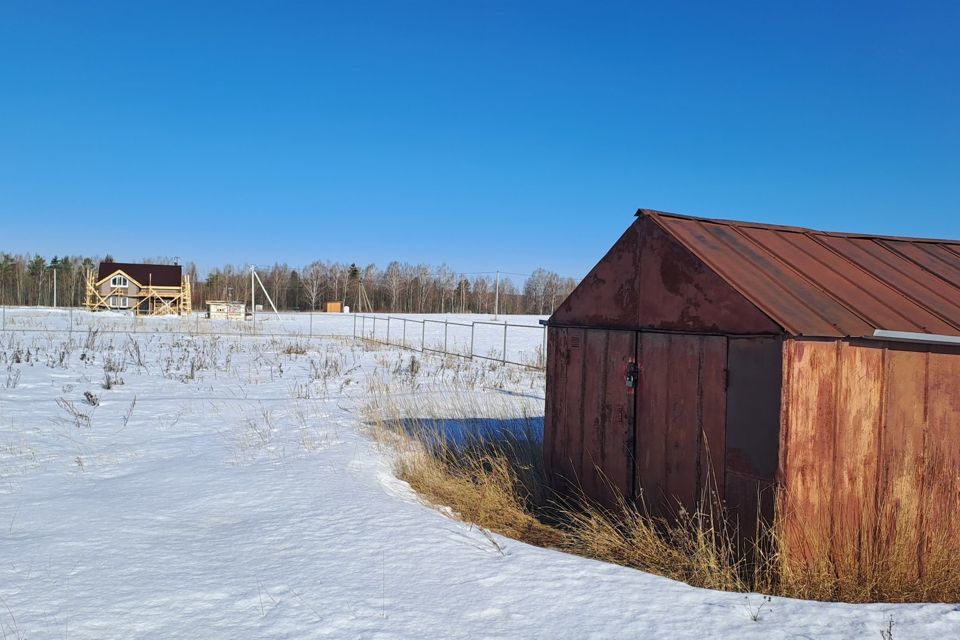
[223, 487]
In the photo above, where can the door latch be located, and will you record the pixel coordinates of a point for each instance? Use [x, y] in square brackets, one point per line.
[633, 373]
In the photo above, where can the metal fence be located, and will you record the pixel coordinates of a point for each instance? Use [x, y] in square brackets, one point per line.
[518, 344]
[195, 324]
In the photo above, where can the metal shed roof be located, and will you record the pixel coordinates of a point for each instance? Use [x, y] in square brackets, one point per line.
[816, 283]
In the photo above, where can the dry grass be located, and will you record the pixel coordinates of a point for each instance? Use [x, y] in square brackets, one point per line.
[864, 562]
[494, 477]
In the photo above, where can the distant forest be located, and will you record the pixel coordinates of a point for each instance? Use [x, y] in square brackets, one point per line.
[400, 288]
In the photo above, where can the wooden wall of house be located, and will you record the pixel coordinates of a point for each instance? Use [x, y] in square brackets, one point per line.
[870, 451]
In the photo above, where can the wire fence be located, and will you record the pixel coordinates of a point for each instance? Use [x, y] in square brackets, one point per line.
[508, 343]
[70, 320]
[518, 344]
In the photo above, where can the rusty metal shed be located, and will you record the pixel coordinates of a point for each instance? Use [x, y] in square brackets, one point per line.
[707, 354]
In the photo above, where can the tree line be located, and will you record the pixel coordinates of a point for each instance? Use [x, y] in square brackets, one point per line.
[399, 288]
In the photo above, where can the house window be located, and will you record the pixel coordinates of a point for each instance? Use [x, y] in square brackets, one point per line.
[119, 281]
[121, 302]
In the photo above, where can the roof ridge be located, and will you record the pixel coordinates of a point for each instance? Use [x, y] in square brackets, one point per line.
[793, 229]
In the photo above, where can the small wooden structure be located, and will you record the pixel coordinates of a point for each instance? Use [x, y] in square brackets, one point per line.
[145, 289]
[704, 355]
[224, 310]
[333, 307]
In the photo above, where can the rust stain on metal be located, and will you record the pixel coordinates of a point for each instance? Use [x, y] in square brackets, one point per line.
[869, 463]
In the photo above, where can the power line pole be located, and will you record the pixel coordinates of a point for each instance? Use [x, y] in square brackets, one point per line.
[496, 297]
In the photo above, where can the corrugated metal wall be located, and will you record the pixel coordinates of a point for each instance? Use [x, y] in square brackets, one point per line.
[753, 427]
[870, 449]
[681, 407]
[588, 430]
[664, 440]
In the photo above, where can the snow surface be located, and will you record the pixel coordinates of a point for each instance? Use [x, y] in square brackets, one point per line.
[225, 490]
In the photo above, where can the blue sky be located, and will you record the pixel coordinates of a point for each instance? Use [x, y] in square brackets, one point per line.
[480, 134]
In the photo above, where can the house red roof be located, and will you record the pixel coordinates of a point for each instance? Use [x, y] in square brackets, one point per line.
[157, 275]
[818, 283]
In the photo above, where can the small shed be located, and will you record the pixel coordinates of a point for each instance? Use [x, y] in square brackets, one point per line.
[333, 307]
[224, 310]
[704, 354]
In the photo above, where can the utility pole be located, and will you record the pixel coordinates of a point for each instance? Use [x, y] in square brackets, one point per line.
[253, 300]
[54, 287]
[496, 297]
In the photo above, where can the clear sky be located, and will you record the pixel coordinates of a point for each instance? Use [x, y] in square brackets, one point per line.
[481, 134]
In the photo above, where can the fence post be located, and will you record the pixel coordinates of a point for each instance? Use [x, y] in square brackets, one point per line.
[198, 322]
[311, 323]
[473, 326]
[4, 317]
[71, 321]
[354, 325]
[403, 338]
[445, 336]
[363, 327]
[373, 336]
[423, 335]
[504, 342]
[388, 329]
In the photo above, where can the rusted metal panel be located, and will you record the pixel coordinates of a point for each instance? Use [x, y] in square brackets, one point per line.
[595, 383]
[902, 448]
[807, 446]
[814, 283]
[609, 295]
[711, 467]
[906, 279]
[941, 495]
[752, 434]
[869, 454]
[862, 292]
[562, 424]
[620, 417]
[681, 293]
[680, 415]
[607, 425]
[930, 256]
[588, 427]
[860, 376]
[650, 281]
[653, 416]
[553, 399]
[683, 425]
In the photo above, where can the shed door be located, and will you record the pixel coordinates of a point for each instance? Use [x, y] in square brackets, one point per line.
[590, 426]
[681, 416]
